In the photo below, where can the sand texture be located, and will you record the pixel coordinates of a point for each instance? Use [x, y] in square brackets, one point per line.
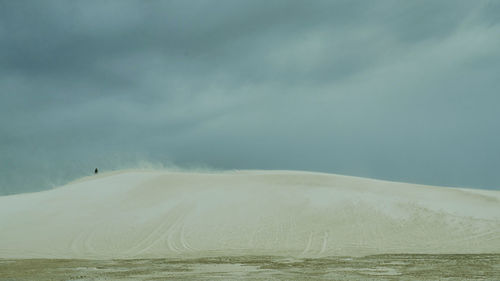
[373, 268]
[161, 214]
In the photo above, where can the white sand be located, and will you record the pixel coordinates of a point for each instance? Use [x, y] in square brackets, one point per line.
[137, 214]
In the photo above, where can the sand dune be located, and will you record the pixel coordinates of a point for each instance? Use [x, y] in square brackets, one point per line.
[139, 214]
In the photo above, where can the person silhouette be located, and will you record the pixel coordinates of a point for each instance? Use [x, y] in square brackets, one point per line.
[96, 171]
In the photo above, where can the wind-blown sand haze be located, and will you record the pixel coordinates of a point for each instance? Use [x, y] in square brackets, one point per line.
[161, 214]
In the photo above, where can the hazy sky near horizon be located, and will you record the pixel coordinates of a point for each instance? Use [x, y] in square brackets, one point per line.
[396, 90]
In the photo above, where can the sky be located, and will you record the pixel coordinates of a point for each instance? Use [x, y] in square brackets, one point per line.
[395, 90]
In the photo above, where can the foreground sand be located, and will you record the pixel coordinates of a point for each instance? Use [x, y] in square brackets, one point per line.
[159, 214]
[381, 267]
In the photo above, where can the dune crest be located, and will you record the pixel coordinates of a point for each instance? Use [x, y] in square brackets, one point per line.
[138, 214]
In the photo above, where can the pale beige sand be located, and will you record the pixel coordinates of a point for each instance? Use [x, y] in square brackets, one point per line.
[147, 214]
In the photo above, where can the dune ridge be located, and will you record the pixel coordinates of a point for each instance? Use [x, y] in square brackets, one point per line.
[148, 214]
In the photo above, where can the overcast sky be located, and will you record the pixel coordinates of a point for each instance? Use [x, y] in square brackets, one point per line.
[396, 90]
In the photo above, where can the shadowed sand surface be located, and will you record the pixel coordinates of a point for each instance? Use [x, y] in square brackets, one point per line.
[381, 267]
[161, 214]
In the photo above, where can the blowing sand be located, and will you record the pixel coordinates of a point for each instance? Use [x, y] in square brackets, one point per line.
[160, 214]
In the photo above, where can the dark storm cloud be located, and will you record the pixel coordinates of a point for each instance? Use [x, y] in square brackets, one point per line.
[387, 89]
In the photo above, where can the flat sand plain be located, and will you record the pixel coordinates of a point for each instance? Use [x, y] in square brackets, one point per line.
[378, 267]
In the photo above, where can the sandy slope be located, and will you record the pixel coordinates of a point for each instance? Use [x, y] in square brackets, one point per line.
[172, 214]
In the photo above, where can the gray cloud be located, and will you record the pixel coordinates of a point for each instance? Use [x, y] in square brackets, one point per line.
[384, 89]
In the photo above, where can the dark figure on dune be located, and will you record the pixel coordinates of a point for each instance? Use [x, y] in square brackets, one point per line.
[96, 171]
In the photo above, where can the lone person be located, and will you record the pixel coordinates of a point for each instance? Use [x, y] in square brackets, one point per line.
[96, 171]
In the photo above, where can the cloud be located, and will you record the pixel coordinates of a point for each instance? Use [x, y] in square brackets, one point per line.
[399, 91]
